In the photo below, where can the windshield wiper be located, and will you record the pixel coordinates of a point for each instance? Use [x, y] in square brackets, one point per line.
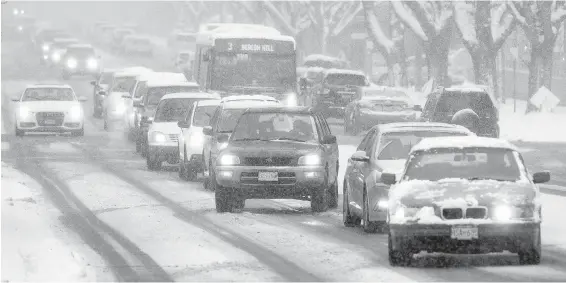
[486, 178]
[252, 139]
[288, 139]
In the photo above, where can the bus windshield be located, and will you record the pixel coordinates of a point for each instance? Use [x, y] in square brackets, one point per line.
[253, 70]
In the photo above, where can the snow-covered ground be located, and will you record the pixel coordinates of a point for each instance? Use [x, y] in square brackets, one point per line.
[33, 245]
[534, 127]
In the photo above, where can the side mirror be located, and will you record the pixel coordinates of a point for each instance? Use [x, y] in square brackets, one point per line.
[207, 131]
[418, 108]
[93, 83]
[330, 139]
[82, 98]
[360, 156]
[541, 177]
[183, 124]
[388, 178]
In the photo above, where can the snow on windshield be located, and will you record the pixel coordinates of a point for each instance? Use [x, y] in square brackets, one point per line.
[467, 163]
[397, 145]
[48, 94]
[276, 126]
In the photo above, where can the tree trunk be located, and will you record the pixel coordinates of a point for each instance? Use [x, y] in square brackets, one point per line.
[323, 37]
[534, 77]
[418, 67]
[403, 64]
[546, 61]
[438, 65]
[484, 68]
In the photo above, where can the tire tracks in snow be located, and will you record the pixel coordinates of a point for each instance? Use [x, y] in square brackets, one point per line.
[94, 232]
[280, 265]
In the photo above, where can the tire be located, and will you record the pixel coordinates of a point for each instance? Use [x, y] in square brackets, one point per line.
[318, 199]
[79, 133]
[399, 257]
[20, 133]
[238, 202]
[531, 255]
[222, 199]
[333, 195]
[153, 165]
[349, 220]
[368, 226]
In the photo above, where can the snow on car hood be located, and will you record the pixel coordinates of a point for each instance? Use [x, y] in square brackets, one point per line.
[165, 127]
[460, 192]
[49, 106]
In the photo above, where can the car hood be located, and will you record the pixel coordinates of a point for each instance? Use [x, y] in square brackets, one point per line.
[461, 193]
[391, 166]
[49, 106]
[165, 127]
[271, 148]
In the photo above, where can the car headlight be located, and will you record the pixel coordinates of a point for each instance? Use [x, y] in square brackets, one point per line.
[291, 99]
[310, 160]
[92, 63]
[504, 212]
[197, 139]
[72, 63]
[75, 113]
[228, 159]
[383, 204]
[157, 137]
[20, 28]
[120, 108]
[56, 57]
[24, 113]
[403, 212]
[45, 47]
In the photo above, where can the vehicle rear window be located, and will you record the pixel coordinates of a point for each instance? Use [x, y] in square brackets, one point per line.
[174, 109]
[346, 79]
[452, 102]
[202, 115]
[48, 94]
[154, 94]
[397, 145]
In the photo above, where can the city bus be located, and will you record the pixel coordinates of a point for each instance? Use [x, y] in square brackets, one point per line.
[246, 59]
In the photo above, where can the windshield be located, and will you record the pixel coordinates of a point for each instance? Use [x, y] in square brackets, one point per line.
[346, 79]
[452, 102]
[469, 163]
[254, 70]
[174, 109]
[397, 145]
[81, 52]
[276, 126]
[228, 120]
[48, 94]
[106, 78]
[124, 84]
[203, 114]
[154, 94]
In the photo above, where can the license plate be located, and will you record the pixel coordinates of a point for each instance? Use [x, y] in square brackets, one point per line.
[268, 177]
[49, 122]
[464, 232]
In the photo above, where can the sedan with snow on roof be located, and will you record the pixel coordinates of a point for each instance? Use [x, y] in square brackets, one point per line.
[469, 195]
[378, 105]
[385, 148]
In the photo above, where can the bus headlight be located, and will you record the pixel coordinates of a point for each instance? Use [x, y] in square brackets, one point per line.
[75, 113]
[72, 63]
[20, 28]
[92, 63]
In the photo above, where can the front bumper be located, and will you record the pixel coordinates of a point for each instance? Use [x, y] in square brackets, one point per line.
[292, 182]
[438, 237]
[164, 153]
[34, 127]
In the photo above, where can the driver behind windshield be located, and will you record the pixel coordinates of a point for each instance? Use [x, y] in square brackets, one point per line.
[279, 126]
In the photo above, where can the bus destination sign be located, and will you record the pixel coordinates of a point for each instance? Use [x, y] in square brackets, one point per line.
[264, 46]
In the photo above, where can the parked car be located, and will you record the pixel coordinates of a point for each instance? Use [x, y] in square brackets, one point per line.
[464, 195]
[378, 105]
[191, 139]
[384, 149]
[163, 132]
[443, 104]
[277, 152]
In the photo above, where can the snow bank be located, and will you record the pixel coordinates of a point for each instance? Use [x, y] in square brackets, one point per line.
[533, 127]
[30, 249]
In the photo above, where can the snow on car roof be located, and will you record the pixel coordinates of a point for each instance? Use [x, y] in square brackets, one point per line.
[211, 102]
[134, 71]
[462, 142]
[320, 57]
[257, 97]
[420, 126]
[315, 69]
[243, 104]
[166, 83]
[190, 95]
[226, 31]
[344, 71]
[81, 45]
[231, 27]
[48, 86]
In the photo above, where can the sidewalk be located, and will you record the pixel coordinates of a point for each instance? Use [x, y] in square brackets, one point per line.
[35, 246]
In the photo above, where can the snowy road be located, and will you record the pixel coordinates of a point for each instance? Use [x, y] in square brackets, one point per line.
[151, 226]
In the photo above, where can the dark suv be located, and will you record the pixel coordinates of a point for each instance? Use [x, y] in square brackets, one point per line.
[336, 90]
[277, 153]
[443, 103]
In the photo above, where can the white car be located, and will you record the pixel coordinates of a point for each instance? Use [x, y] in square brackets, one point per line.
[163, 132]
[49, 108]
[135, 44]
[191, 139]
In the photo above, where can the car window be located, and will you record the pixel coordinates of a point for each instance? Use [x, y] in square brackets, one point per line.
[276, 126]
[228, 120]
[464, 163]
[48, 94]
[453, 101]
[202, 115]
[141, 89]
[124, 84]
[105, 78]
[81, 52]
[397, 145]
[174, 109]
[363, 144]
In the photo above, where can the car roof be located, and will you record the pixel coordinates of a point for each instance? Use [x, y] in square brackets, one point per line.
[420, 126]
[462, 142]
[190, 95]
[81, 45]
[211, 102]
[247, 104]
[343, 71]
[283, 109]
[257, 97]
[48, 86]
[166, 83]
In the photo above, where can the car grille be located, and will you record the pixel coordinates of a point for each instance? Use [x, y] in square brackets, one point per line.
[269, 161]
[251, 178]
[50, 118]
[174, 138]
[471, 212]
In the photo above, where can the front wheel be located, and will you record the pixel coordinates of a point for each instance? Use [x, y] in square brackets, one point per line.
[400, 256]
[152, 163]
[349, 220]
[368, 226]
[318, 199]
[20, 133]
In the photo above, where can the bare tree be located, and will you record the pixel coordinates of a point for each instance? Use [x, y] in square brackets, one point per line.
[432, 22]
[540, 20]
[484, 26]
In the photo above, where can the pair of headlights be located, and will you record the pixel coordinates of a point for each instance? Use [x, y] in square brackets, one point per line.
[306, 160]
[90, 63]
